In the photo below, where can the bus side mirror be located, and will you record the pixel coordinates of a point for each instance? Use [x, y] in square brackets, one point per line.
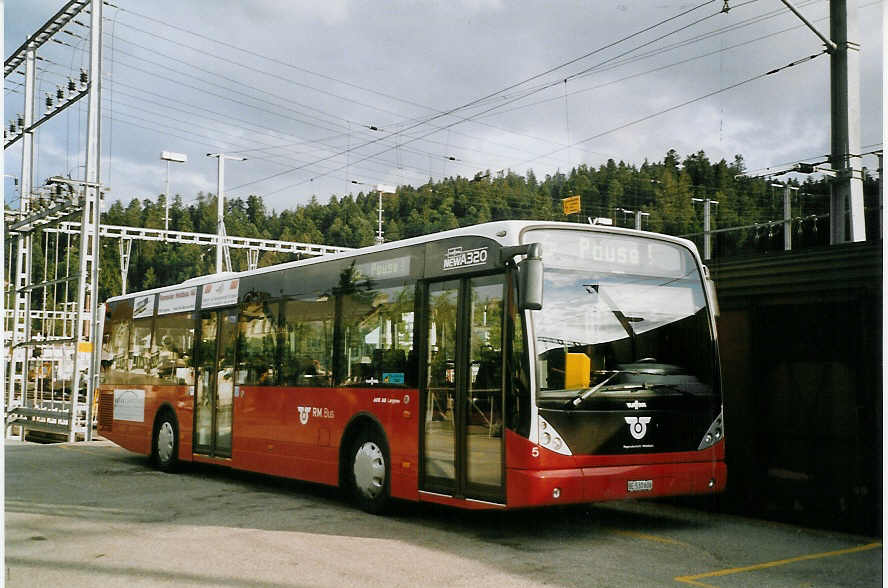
[530, 274]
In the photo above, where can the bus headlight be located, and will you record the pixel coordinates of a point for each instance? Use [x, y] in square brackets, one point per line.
[550, 439]
[714, 434]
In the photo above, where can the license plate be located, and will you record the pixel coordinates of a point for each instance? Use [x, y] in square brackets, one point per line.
[640, 485]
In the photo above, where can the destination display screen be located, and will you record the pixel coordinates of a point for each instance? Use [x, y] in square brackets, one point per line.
[568, 249]
[397, 267]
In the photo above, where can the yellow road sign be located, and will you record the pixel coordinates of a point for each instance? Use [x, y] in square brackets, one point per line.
[570, 205]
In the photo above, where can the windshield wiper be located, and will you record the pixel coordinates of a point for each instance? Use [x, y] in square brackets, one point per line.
[627, 387]
[582, 397]
[671, 388]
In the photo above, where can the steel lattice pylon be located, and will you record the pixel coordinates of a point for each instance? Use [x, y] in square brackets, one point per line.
[36, 351]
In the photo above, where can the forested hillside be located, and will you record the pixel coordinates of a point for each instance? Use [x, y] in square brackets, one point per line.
[663, 189]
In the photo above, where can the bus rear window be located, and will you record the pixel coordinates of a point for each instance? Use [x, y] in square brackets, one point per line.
[115, 343]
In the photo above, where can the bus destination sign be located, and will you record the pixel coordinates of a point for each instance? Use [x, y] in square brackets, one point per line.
[606, 252]
[397, 267]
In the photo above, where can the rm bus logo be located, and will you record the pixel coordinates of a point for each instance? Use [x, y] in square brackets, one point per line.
[313, 411]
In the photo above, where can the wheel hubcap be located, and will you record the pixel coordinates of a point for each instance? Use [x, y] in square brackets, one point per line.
[369, 469]
[165, 441]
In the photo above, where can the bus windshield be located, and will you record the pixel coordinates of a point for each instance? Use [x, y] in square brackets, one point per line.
[622, 316]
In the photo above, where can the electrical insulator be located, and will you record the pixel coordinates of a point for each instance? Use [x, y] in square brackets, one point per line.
[72, 87]
[48, 103]
[84, 77]
[60, 94]
[20, 121]
[11, 128]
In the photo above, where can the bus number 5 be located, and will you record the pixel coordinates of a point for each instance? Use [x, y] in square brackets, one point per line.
[535, 452]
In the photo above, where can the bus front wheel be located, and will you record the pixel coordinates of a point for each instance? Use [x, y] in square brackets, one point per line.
[369, 471]
[165, 450]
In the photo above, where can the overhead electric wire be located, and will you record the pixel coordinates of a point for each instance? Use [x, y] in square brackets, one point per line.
[356, 86]
[637, 121]
[277, 61]
[240, 102]
[469, 104]
[166, 132]
[646, 72]
[128, 65]
[214, 140]
[546, 85]
[417, 171]
[476, 101]
[344, 98]
[264, 129]
[339, 120]
[267, 146]
[687, 102]
[585, 56]
[644, 118]
[634, 122]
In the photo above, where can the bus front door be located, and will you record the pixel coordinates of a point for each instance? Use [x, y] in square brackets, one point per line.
[215, 383]
[462, 445]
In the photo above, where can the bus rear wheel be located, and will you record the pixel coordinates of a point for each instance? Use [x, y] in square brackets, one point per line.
[165, 449]
[369, 471]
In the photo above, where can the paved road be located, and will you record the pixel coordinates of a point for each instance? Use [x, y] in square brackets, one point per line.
[93, 514]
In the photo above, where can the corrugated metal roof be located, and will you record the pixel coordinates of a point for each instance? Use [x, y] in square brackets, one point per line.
[809, 274]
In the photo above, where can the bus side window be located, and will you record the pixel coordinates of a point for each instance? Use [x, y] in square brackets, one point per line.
[518, 396]
[140, 365]
[173, 342]
[257, 338]
[378, 331]
[307, 350]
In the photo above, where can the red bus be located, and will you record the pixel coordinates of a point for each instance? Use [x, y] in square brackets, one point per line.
[508, 364]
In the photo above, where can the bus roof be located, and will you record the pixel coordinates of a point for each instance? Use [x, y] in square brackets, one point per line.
[507, 232]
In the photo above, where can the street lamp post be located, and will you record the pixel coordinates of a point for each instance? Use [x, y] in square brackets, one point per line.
[380, 190]
[169, 156]
[787, 214]
[707, 225]
[220, 205]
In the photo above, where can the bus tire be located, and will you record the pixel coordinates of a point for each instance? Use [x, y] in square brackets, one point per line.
[165, 442]
[368, 471]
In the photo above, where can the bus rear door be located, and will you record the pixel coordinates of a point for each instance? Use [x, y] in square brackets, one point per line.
[215, 383]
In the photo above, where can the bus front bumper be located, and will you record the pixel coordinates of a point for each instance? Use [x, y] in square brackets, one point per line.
[596, 484]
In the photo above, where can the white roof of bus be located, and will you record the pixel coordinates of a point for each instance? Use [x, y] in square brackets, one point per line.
[504, 232]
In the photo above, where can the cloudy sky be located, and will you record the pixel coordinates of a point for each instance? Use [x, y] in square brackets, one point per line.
[337, 96]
